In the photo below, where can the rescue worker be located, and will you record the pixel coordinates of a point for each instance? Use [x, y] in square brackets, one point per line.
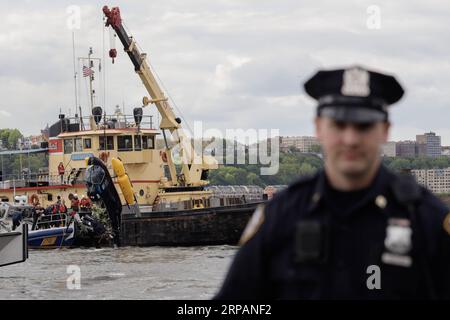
[354, 230]
[85, 202]
[59, 209]
[61, 171]
[85, 206]
[75, 203]
[62, 207]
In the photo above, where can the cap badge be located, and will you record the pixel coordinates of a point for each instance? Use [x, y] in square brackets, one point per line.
[355, 82]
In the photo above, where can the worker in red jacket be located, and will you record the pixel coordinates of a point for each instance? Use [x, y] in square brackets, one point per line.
[75, 203]
[61, 171]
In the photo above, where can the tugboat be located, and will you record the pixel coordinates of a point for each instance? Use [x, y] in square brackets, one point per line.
[170, 205]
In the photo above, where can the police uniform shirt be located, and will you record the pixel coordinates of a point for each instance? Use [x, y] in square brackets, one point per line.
[354, 235]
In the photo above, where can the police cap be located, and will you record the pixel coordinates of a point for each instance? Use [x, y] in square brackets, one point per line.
[354, 94]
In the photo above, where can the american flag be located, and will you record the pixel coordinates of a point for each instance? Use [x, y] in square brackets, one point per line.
[87, 71]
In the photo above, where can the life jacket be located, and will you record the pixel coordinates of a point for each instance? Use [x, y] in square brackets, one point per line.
[85, 202]
[62, 208]
[75, 204]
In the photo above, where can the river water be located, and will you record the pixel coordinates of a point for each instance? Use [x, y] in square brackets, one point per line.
[124, 273]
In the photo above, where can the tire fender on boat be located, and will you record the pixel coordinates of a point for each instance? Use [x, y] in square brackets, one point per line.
[34, 199]
[104, 156]
[163, 156]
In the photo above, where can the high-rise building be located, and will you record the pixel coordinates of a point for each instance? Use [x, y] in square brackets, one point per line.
[428, 144]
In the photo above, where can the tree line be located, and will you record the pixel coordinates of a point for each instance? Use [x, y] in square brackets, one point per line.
[10, 138]
[294, 164]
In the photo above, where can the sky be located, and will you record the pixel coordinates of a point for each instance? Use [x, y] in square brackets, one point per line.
[231, 64]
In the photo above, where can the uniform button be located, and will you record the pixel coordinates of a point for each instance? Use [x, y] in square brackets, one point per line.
[316, 197]
[381, 202]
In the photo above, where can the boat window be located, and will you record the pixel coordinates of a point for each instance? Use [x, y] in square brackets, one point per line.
[198, 203]
[68, 145]
[78, 145]
[124, 143]
[95, 174]
[109, 142]
[149, 142]
[144, 142]
[137, 143]
[87, 143]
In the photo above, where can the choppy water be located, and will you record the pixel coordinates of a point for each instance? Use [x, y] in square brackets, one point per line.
[124, 273]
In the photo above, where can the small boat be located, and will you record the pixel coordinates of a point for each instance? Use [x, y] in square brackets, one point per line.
[52, 237]
[48, 230]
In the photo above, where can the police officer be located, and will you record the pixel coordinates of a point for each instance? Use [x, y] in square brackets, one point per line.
[355, 230]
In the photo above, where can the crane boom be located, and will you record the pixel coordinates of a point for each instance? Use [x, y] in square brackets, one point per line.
[194, 168]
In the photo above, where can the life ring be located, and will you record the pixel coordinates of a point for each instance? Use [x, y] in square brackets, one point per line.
[163, 156]
[104, 156]
[34, 199]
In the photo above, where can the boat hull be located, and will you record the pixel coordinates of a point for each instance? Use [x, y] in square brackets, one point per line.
[207, 226]
[51, 238]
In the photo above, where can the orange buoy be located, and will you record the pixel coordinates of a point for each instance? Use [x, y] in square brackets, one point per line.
[34, 199]
[163, 156]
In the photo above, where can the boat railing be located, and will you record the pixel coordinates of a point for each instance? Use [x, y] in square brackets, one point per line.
[116, 121]
[248, 192]
[46, 221]
[38, 180]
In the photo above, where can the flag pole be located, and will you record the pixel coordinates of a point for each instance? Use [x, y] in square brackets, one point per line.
[90, 79]
[74, 69]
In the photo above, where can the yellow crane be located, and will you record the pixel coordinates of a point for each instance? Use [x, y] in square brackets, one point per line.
[194, 167]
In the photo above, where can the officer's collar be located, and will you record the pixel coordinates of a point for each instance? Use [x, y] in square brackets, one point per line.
[321, 186]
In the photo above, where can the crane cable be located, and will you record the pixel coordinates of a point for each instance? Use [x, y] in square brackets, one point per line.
[104, 64]
[162, 83]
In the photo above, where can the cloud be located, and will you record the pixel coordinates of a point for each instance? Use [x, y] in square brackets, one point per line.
[222, 76]
[4, 113]
[229, 63]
